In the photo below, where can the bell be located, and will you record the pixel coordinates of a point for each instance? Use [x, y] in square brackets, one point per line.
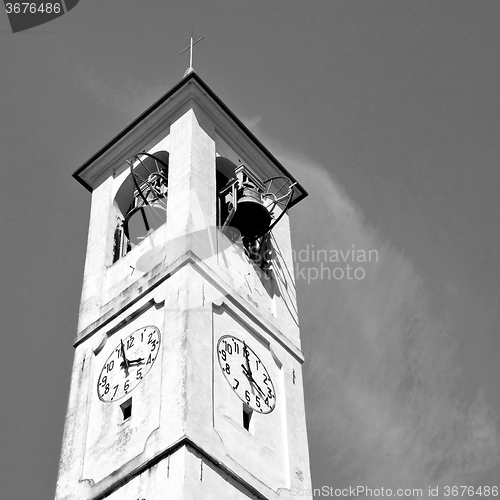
[143, 220]
[252, 219]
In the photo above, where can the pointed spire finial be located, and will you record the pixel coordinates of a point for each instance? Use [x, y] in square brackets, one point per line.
[190, 48]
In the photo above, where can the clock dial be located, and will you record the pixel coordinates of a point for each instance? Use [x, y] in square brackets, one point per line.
[246, 374]
[128, 364]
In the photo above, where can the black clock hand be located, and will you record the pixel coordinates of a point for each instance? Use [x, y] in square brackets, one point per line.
[248, 375]
[136, 361]
[258, 388]
[246, 354]
[125, 364]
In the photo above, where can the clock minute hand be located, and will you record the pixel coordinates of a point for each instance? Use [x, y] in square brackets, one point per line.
[248, 370]
[126, 363]
[136, 361]
[246, 354]
[248, 375]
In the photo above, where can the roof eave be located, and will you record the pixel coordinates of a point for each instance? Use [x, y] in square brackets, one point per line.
[190, 76]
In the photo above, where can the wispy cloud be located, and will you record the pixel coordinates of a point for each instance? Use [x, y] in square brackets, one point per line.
[252, 123]
[130, 96]
[382, 386]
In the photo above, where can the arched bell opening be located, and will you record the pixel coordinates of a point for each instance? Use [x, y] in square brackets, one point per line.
[241, 212]
[240, 206]
[249, 208]
[224, 175]
[141, 201]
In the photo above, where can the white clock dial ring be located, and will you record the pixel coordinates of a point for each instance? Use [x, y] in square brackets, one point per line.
[128, 363]
[246, 374]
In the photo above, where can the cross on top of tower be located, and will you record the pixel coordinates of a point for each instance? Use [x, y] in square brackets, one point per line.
[190, 48]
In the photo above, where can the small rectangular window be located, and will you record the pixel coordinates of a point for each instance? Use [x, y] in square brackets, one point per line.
[126, 409]
[247, 417]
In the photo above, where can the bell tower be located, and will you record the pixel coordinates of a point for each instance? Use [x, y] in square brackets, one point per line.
[187, 375]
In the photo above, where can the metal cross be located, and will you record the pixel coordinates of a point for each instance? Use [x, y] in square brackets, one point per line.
[190, 48]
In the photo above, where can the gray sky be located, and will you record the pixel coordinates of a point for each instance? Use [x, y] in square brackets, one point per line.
[388, 114]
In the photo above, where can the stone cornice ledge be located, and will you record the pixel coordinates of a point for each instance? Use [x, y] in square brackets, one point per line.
[247, 308]
[107, 489]
[117, 307]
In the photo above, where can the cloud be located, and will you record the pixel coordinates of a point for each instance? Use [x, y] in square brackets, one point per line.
[130, 96]
[382, 385]
[252, 123]
[382, 381]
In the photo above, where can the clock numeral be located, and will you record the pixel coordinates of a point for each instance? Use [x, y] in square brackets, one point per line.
[266, 379]
[139, 374]
[257, 362]
[150, 360]
[109, 366]
[247, 396]
[228, 369]
[114, 393]
[237, 383]
[150, 338]
[153, 345]
[257, 401]
[223, 355]
[126, 386]
[106, 388]
[228, 348]
[130, 342]
[236, 347]
[103, 381]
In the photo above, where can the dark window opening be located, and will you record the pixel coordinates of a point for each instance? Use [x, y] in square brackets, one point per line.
[121, 244]
[126, 409]
[247, 416]
[224, 177]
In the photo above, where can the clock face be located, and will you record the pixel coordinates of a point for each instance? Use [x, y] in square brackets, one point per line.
[128, 364]
[246, 374]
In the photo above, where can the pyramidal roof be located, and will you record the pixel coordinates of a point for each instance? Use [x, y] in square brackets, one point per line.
[89, 172]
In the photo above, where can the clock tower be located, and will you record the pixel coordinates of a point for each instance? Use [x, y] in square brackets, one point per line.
[187, 376]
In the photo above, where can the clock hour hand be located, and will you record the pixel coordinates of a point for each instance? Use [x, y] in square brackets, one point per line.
[137, 361]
